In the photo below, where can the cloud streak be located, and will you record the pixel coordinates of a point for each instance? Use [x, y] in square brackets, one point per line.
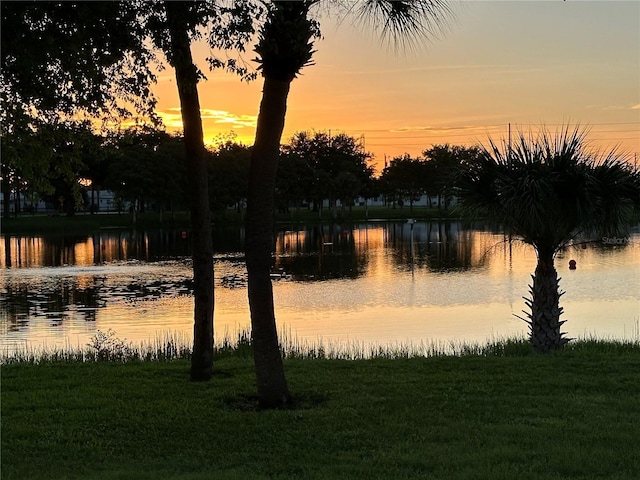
[444, 129]
[615, 107]
[171, 118]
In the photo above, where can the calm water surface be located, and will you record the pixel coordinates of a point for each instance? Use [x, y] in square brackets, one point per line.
[376, 283]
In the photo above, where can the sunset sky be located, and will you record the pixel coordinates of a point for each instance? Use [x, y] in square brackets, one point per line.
[526, 63]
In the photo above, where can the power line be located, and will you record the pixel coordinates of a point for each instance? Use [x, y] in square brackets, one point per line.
[464, 130]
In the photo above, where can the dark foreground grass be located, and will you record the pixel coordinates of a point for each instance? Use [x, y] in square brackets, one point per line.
[575, 415]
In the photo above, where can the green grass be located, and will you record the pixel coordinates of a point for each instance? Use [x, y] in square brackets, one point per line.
[84, 223]
[486, 413]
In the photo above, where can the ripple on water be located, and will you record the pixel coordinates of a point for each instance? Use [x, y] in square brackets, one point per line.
[380, 297]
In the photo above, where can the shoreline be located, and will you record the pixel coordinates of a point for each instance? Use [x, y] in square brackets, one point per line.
[89, 223]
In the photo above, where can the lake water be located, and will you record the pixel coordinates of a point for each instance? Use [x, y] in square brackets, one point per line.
[374, 283]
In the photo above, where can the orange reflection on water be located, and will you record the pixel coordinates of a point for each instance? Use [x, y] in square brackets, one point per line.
[110, 248]
[290, 242]
[500, 253]
[22, 251]
[25, 252]
[83, 252]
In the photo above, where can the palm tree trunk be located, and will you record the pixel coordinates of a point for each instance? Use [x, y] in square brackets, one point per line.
[544, 320]
[270, 378]
[202, 242]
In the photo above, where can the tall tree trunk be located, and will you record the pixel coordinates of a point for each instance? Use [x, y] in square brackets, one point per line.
[202, 243]
[544, 319]
[270, 378]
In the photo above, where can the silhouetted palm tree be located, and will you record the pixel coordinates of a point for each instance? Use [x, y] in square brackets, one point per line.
[548, 190]
[285, 46]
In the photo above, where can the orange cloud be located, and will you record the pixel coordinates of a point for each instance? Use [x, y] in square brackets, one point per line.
[172, 119]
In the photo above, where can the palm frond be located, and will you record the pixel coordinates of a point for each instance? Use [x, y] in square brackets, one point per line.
[403, 23]
[548, 188]
[286, 40]
[614, 189]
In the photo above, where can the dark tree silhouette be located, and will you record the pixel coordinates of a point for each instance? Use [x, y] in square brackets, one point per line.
[407, 177]
[285, 46]
[179, 54]
[62, 58]
[228, 177]
[548, 190]
[337, 165]
[58, 59]
[443, 162]
[146, 165]
[231, 26]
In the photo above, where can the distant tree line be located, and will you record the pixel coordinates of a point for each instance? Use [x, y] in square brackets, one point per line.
[434, 174]
[67, 164]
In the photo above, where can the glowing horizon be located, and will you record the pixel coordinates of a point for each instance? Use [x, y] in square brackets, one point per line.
[527, 64]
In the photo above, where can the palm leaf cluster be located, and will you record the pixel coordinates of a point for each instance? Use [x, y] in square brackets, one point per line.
[285, 43]
[550, 188]
[404, 23]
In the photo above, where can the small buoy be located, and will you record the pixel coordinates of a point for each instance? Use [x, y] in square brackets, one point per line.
[184, 234]
[572, 264]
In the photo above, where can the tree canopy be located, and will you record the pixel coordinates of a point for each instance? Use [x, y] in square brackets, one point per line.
[432, 174]
[61, 58]
[333, 167]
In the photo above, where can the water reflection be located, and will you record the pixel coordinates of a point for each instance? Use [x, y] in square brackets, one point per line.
[330, 252]
[390, 281]
[149, 246]
[440, 247]
[19, 302]
[320, 253]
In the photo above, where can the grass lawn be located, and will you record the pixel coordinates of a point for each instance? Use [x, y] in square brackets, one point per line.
[572, 415]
